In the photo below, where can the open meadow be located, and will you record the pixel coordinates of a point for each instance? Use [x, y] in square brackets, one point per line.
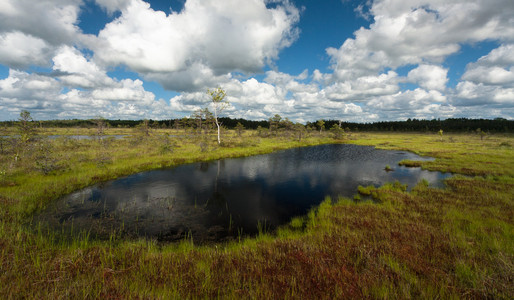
[456, 242]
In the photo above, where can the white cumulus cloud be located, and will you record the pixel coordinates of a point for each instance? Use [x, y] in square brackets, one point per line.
[420, 31]
[232, 43]
[205, 37]
[77, 71]
[31, 30]
[21, 50]
[112, 6]
[495, 68]
[430, 77]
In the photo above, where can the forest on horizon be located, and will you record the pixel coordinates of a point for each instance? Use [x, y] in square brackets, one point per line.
[497, 125]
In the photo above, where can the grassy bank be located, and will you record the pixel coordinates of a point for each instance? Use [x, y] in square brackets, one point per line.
[46, 169]
[452, 242]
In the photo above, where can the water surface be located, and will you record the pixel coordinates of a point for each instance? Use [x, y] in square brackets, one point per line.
[88, 137]
[74, 137]
[223, 199]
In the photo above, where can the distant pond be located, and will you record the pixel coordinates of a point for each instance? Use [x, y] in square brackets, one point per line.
[88, 137]
[73, 137]
[221, 200]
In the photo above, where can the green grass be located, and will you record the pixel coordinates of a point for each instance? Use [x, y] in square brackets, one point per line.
[81, 163]
[456, 242]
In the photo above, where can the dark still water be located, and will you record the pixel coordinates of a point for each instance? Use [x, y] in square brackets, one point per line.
[219, 200]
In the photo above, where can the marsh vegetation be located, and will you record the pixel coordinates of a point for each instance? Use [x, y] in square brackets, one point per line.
[456, 241]
[226, 199]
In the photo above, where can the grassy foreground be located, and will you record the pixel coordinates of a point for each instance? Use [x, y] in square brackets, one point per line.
[456, 242]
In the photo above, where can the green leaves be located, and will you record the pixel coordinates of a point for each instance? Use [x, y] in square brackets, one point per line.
[217, 95]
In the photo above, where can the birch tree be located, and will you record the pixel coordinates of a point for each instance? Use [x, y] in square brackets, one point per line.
[218, 105]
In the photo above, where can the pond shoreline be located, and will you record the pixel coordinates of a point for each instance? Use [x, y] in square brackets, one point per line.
[426, 243]
[107, 163]
[277, 186]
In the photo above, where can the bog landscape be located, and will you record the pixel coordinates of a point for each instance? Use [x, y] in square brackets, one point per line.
[256, 149]
[271, 209]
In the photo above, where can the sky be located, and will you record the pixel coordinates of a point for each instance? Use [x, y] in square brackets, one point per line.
[356, 61]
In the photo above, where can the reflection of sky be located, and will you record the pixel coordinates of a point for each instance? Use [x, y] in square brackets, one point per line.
[87, 137]
[205, 197]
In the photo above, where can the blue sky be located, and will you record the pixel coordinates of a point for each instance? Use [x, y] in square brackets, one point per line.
[358, 61]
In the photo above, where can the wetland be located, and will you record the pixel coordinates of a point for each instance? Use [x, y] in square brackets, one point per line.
[229, 198]
[430, 240]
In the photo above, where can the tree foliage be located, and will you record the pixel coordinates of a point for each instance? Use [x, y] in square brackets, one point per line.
[497, 125]
[321, 125]
[239, 129]
[218, 105]
[26, 126]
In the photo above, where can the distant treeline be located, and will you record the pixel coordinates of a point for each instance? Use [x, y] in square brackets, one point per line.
[170, 123]
[413, 125]
[497, 125]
